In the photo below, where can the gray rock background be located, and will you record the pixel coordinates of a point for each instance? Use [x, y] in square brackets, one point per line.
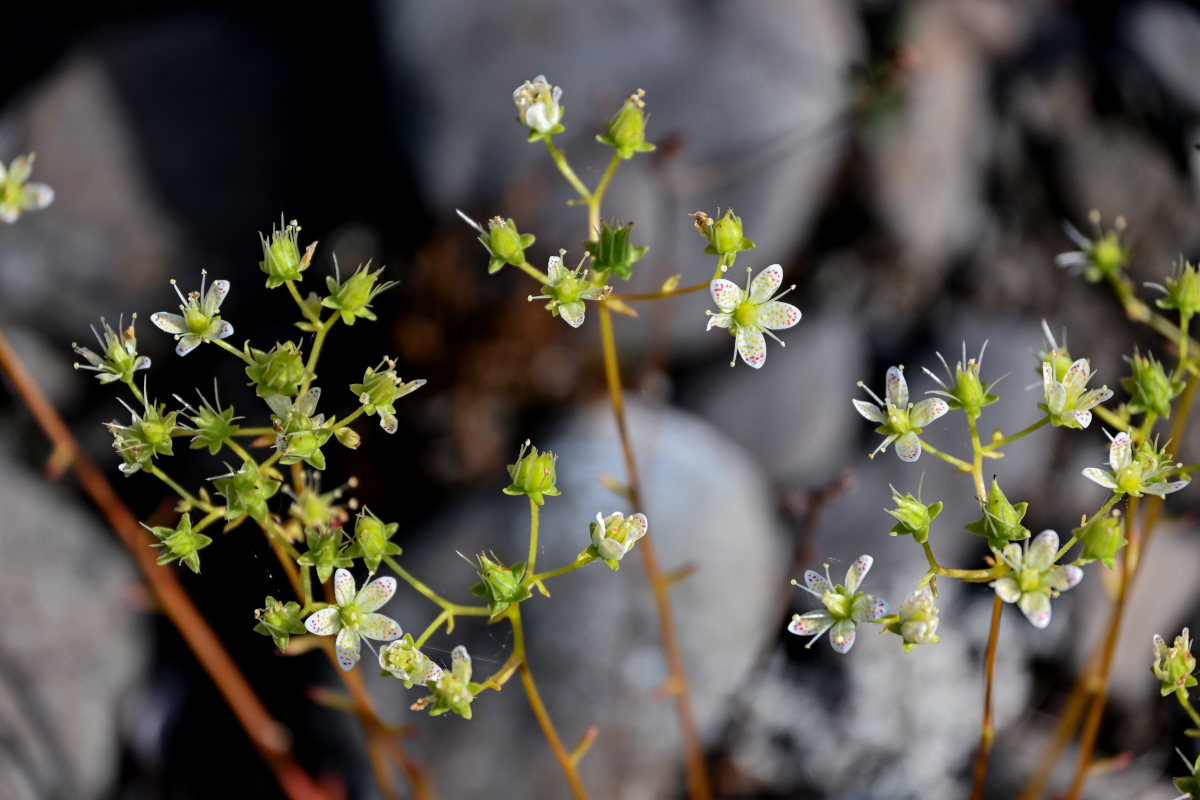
[908, 163]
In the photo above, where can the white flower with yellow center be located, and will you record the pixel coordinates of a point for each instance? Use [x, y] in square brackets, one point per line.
[750, 313]
[353, 618]
[845, 606]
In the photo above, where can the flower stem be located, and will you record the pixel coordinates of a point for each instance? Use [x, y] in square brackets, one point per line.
[969, 575]
[697, 776]
[432, 596]
[949, 459]
[533, 536]
[539, 709]
[226, 346]
[184, 494]
[310, 368]
[582, 561]
[1091, 725]
[656, 295]
[1182, 696]
[560, 161]
[534, 273]
[315, 319]
[1005, 440]
[987, 730]
[594, 199]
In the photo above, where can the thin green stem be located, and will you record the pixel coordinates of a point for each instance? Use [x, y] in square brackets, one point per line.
[137, 393]
[582, 561]
[539, 708]
[272, 529]
[334, 424]
[432, 596]
[310, 368]
[1005, 440]
[306, 586]
[987, 729]
[184, 494]
[226, 346]
[560, 161]
[443, 616]
[595, 198]
[239, 450]
[533, 536]
[666, 293]
[976, 458]
[969, 575]
[209, 519]
[949, 459]
[1182, 696]
[260, 431]
[315, 319]
[534, 273]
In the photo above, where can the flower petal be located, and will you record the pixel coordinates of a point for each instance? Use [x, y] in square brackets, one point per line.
[841, 636]
[1042, 551]
[1063, 578]
[375, 594]
[777, 315]
[816, 583]
[1077, 376]
[719, 321]
[1101, 477]
[187, 344]
[858, 570]
[215, 296]
[814, 623]
[347, 647]
[641, 524]
[1162, 489]
[306, 404]
[765, 284]
[1047, 378]
[171, 323]
[379, 627]
[726, 294]
[223, 332]
[572, 313]
[867, 608]
[1007, 589]
[908, 447]
[1036, 608]
[752, 347]
[1056, 398]
[897, 388]
[1119, 455]
[325, 622]
[343, 587]
[869, 410]
[927, 411]
[1084, 418]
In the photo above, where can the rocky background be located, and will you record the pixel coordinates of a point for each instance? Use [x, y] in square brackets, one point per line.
[909, 164]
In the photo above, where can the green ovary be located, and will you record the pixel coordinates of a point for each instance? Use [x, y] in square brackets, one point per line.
[746, 315]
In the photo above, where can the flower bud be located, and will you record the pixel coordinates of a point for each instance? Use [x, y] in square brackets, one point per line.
[180, 543]
[1001, 520]
[1174, 665]
[725, 238]
[352, 299]
[612, 252]
[372, 540]
[538, 108]
[454, 690]
[323, 552]
[506, 244]
[533, 474]
[279, 621]
[1182, 290]
[1102, 538]
[279, 370]
[119, 360]
[246, 491]
[501, 585]
[917, 621]
[912, 516]
[148, 436]
[626, 131]
[299, 434]
[348, 437]
[1149, 387]
[214, 425]
[615, 535]
[282, 260]
[403, 660]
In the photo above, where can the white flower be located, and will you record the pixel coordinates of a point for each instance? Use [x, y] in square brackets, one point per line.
[845, 606]
[352, 617]
[1034, 578]
[537, 105]
[751, 313]
[120, 358]
[199, 322]
[1135, 476]
[17, 194]
[900, 421]
[1066, 402]
[615, 535]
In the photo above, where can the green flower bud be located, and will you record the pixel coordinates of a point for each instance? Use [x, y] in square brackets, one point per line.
[1102, 538]
[247, 491]
[279, 370]
[214, 425]
[148, 436]
[501, 585]
[372, 540]
[1182, 290]
[180, 543]
[454, 690]
[403, 660]
[725, 238]
[314, 508]
[324, 552]
[352, 299]
[612, 252]
[120, 359]
[1001, 520]
[917, 621]
[1174, 665]
[533, 474]
[504, 242]
[279, 621]
[965, 390]
[380, 389]
[348, 437]
[626, 131]
[282, 260]
[299, 435]
[1149, 387]
[912, 516]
